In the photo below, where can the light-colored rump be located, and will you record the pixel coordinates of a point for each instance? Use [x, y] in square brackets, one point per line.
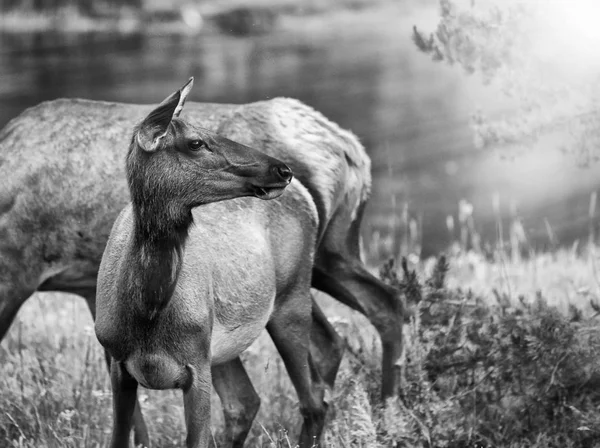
[331, 162]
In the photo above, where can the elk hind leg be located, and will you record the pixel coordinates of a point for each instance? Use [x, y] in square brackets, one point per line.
[326, 345]
[381, 304]
[239, 399]
[238, 396]
[289, 327]
[340, 273]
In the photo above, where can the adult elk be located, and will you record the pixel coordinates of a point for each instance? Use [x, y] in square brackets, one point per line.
[188, 281]
[63, 185]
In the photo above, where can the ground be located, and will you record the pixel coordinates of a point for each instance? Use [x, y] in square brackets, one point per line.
[55, 391]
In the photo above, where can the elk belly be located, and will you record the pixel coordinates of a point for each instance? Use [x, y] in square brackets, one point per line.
[235, 332]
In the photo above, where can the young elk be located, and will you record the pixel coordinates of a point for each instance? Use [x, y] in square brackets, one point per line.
[63, 185]
[193, 271]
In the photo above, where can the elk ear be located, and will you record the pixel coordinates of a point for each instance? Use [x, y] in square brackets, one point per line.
[154, 127]
[184, 92]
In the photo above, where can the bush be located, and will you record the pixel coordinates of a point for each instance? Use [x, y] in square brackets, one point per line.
[499, 372]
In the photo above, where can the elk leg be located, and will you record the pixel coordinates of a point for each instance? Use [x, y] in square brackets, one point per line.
[239, 399]
[238, 396]
[350, 283]
[196, 406]
[288, 329]
[326, 345]
[140, 430]
[124, 388]
[11, 301]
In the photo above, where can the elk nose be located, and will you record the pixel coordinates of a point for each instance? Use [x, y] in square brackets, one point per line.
[283, 172]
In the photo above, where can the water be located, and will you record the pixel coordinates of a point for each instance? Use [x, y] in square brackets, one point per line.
[361, 71]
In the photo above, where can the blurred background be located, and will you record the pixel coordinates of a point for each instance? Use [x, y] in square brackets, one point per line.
[353, 60]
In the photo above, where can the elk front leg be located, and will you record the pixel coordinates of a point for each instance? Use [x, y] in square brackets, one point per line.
[196, 406]
[239, 399]
[11, 300]
[140, 430]
[124, 388]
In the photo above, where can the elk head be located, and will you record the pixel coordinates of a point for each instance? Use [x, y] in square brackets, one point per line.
[179, 165]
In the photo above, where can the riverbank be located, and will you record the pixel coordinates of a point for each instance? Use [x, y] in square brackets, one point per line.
[177, 18]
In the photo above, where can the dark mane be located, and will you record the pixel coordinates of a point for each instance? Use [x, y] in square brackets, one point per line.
[161, 226]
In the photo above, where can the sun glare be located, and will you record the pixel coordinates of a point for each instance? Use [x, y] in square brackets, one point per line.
[580, 18]
[569, 31]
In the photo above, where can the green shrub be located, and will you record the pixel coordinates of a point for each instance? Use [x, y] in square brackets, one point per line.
[500, 372]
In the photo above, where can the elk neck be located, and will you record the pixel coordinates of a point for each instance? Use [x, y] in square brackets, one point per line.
[161, 224]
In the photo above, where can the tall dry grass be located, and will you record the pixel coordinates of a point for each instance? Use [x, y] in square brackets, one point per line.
[477, 334]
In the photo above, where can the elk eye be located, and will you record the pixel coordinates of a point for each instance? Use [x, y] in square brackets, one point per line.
[195, 145]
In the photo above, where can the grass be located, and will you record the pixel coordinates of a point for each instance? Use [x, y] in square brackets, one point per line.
[55, 391]
[502, 351]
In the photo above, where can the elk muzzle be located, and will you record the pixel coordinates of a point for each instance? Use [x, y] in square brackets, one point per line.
[280, 177]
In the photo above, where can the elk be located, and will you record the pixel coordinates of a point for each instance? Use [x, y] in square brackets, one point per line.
[193, 270]
[63, 186]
